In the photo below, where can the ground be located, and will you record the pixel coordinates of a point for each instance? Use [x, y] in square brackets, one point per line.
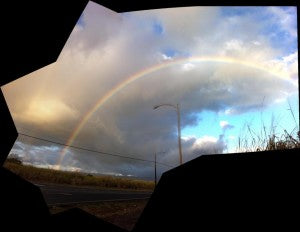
[121, 213]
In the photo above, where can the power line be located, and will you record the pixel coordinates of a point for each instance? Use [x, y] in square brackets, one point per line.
[30, 131]
[94, 151]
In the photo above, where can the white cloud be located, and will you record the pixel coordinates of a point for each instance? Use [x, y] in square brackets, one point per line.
[231, 137]
[208, 145]
[287, 65]
[57, 167]
[188, 137]
[257, 43]
[203, 140]
[48, 110]
[234, 45]
[225, 125]
[188, 66]
[165, 57]
[291, 58]
[230, 111]
[110, 48]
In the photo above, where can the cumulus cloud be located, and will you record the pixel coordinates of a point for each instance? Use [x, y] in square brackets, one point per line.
[225, 125]
[195, 147]
[105, 49]
[188, 66]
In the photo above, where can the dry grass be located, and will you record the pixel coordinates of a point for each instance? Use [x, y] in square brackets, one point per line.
[252, 141]
[271, 141]
[268, 138]
[75, 178]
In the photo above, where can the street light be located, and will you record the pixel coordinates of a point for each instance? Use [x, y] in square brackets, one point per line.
[179, 130]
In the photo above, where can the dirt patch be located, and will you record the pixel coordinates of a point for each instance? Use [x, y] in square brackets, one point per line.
[121, 213]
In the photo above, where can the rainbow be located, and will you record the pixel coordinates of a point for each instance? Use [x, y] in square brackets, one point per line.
[100, 102]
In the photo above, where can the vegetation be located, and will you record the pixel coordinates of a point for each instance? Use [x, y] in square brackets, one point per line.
[268, 139]
[43, 175]
[269, 142]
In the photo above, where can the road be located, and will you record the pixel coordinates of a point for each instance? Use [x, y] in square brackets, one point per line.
[60, 194]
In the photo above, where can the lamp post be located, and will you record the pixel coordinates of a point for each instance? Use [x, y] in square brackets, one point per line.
[178, 123]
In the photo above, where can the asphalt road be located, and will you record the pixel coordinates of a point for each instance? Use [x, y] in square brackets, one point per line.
[61, 194]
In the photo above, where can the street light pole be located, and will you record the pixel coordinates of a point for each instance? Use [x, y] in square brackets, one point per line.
[178, 124]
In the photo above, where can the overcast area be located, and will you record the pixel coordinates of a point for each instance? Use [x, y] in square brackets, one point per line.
[215, 96]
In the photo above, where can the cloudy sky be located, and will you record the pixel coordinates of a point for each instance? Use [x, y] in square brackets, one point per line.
[229, 69]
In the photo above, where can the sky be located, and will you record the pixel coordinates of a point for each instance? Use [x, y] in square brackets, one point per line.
[228, 68]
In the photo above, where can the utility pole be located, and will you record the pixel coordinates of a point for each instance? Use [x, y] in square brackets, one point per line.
[155, 165]
[155, 180]
[179, 133]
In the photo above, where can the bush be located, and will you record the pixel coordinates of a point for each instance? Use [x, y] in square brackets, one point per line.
[14, 159]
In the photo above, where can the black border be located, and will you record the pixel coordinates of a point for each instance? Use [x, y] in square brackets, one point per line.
[34, 33]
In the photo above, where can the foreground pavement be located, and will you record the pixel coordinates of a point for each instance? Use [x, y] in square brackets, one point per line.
[61, 194]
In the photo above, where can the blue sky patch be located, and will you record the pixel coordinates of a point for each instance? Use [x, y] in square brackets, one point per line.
[158, 28]
[209, 122]
[80, 21]
[170, 52]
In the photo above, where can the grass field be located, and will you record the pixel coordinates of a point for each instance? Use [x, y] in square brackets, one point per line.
[43, 175]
